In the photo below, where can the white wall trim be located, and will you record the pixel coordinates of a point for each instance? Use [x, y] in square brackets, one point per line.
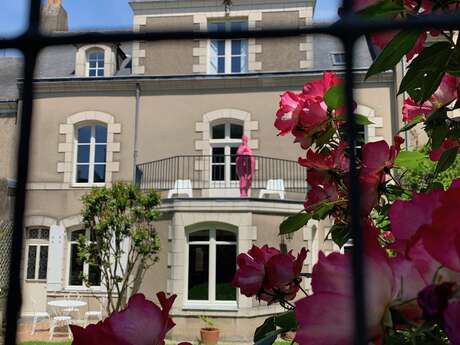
[204, 127]
[66, 166]
[39, 221]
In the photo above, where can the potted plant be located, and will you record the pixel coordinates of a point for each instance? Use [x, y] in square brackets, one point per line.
[209, 333]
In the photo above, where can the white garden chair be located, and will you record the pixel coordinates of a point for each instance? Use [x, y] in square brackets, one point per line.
[96, 314]
[60, 319]
[181, 187]
[38, 315]
[274, 187]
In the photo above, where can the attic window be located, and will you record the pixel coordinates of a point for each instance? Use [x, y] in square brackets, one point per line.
[338, 59]
[96, 63]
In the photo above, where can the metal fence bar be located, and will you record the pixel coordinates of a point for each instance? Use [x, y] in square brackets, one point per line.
[348, 29]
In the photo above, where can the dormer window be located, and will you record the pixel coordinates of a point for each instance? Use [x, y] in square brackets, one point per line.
[96, 63]
[228, 56]
[338, 59]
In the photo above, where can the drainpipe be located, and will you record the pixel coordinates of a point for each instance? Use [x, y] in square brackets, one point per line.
[136, 132]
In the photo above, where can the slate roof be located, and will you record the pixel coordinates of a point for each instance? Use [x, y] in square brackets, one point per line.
[59, 62]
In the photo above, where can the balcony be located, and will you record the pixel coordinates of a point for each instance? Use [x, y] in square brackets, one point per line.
[216, 177]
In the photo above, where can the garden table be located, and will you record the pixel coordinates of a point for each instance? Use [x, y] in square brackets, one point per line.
[67, 303]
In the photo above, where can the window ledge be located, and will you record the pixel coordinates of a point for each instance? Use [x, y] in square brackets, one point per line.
[213, 307]
[87, 185]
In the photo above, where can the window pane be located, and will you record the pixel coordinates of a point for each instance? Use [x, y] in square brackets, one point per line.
[218, 155]
[82, 173]
[236, 47]
[221, 47]
[226, 267]
[100, 154]
[94, 275]
[225, 236]
[218, 131]
[84, 134]
[92, 72]
[101, 134]
[196, 236]
[236, 64]
[236, 131]
[99, 173]
[31, 257]
[239, 26]
[83, 154]
[44, 234]
[75, 236]
[221, 65]
[198, 274]
[100, 72]
[76, 266]
[43, 263]
[92, 64]
[233, 151]
[216, 27]
[218, 172]
[33, 233]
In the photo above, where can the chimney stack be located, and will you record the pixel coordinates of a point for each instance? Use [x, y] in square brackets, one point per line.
[54, 17]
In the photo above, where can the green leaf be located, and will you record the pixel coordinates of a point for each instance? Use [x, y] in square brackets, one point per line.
[409, 159]
[400, 45]
[267, 327]
[326, 137]
[453, 67]
[383, 9]
[335, 96]
[269, 338]
[340, 234]
[446, 160]
[359, 119]
[411, 124]
[294, 223]
[323, 211]
[426, 71]
[286, 321]
[435, 185]
[438, 135]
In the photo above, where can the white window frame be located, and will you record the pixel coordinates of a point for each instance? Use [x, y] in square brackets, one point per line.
[92, 156]
[85, 265]
[227, 143]
[228, 49]
[98, 63]
[39, 243]
[334, 60]
[211, 303]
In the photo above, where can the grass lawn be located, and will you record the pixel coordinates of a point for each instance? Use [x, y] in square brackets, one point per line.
[46, 343]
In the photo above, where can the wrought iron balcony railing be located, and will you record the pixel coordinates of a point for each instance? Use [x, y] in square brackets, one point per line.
[180, 174]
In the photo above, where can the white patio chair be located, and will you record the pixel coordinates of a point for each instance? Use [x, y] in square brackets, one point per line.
[59, 319]
[274, 187]
[72, 310]
[37, 315]
[181, 187]
[96, 314]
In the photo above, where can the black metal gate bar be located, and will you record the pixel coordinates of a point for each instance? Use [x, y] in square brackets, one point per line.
[348, 29]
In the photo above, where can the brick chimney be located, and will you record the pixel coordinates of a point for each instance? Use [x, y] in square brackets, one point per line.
[54, 17]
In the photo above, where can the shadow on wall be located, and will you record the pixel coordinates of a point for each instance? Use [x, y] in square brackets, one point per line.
[6, 199]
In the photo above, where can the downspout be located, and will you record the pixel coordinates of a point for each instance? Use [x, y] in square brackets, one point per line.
[136, 132]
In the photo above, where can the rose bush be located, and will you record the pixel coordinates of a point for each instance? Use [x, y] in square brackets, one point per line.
[412, 240]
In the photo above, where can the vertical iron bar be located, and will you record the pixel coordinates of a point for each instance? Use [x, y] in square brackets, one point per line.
[14, 300]
[360, 336]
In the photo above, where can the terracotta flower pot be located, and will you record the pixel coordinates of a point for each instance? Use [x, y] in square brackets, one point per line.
[209, 336]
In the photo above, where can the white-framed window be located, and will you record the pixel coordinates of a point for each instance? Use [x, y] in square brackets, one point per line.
[225, 140]
[361, 137]
[76, 268]
[338, 59]
[228, 56]
[90, 154]
[37, 240]
[211, 265]
[95, 63]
